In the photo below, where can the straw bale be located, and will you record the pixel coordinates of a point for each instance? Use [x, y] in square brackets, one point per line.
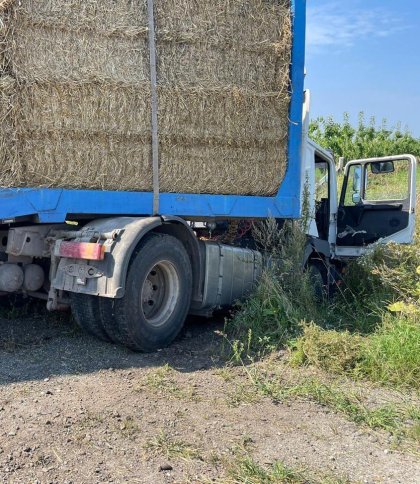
[218, 167]
[187, 112]
[77, 113]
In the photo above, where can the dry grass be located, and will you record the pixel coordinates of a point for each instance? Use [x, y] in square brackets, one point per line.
[75, 96]
[334, 351]
[165, 445]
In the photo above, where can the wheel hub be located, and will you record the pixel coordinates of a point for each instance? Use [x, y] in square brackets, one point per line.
[147, 293]
[160, 293]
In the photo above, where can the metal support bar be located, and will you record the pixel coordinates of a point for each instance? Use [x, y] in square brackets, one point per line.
[154, 99]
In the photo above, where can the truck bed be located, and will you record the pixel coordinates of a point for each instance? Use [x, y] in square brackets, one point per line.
[46, 205]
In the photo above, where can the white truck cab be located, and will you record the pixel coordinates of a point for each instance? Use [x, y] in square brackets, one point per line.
[374, 200]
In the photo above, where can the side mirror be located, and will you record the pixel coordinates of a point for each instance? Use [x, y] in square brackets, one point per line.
[382, 167]
[356, 198]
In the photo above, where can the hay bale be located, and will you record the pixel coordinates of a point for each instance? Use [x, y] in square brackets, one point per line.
[76, 111]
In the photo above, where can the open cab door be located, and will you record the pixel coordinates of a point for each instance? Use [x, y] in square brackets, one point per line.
[377, 203]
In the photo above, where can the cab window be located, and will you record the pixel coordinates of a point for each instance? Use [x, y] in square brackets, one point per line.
[322, 202]
[321, 181]
[353, 195]
[387, 181]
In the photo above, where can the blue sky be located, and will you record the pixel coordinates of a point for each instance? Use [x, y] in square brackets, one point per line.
[365, 55]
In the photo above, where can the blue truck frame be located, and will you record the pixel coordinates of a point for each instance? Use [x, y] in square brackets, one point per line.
[48, 205]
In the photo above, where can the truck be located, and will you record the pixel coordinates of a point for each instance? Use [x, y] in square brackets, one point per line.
[133, 265]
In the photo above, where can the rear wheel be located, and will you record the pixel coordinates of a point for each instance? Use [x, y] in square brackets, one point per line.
[106, 308]
[158, 295]
[85, 309]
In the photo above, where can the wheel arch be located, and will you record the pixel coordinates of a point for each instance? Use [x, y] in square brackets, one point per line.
[316, 249]
[178, 228]
[114, 268]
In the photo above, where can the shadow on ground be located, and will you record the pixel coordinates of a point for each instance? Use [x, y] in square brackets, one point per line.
[40, 345]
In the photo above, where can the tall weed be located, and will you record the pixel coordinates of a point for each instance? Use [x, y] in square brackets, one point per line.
[371, 329]
[271, 317]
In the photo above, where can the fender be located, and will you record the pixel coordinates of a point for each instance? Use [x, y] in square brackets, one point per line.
[179, 228]
[109, 275]
[318, 247]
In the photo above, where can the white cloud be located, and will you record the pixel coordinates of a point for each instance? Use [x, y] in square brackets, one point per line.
[335, 25]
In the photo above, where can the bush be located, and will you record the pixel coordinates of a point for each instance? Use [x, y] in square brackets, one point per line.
[268, 319]
[387, 271]
[392, 354]
[338, 352]
[370, 330]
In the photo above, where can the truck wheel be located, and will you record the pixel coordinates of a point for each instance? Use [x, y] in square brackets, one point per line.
[85, 309]
[319, 278]
[109, 323]
[158, 294]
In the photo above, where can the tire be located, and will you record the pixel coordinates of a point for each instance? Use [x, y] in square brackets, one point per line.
[85, 309]
[109, 323]
[318, 274]
[157, 297]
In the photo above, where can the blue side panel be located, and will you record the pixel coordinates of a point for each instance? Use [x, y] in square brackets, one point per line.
[53, 205]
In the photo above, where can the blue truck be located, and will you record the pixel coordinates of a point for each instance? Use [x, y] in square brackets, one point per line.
[133, 265]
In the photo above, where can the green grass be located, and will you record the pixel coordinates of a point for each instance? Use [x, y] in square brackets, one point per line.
[162, 382]
[388, 186]
[371, 329]
[242, 394]
[267, 321]
[387, 417]
[333, 351]
[270, 318]
[390, 355]
[243, 469]
[246, 471]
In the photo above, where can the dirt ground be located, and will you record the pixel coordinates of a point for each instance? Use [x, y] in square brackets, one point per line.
[77, 410]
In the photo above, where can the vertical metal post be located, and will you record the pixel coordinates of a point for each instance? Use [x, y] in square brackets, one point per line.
[154, 101]
[341, 163]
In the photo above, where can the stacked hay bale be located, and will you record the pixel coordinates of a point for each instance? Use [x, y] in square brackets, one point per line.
[76, 100]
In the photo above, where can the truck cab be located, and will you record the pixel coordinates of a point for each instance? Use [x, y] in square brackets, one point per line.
[374, 200]
[369, 201]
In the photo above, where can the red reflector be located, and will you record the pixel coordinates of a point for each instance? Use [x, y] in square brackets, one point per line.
[82, 250]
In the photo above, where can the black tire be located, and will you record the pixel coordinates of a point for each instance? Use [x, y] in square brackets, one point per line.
[157, 297]
[318, 274]
[85, 309]
[109, 323]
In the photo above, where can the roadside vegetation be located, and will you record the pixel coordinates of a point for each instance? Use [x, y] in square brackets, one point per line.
[369, 331]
